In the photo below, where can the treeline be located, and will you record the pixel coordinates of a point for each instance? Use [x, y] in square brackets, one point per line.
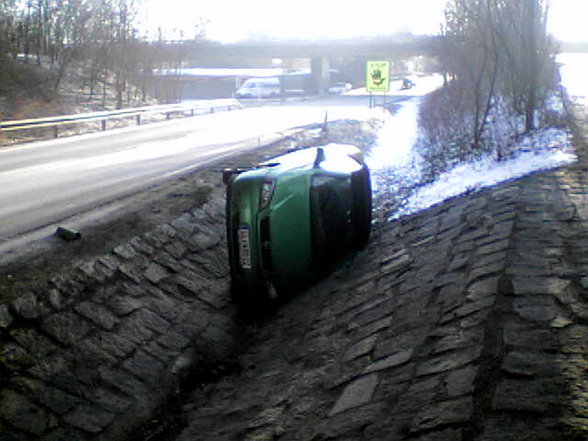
[100, 38]
[500, 72]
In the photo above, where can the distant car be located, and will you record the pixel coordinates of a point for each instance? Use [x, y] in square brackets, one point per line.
[259, 88]
[289, 221]
[407, 84]
[340, 87]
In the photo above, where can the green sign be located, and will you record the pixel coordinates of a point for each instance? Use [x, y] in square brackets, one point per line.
[378, 76]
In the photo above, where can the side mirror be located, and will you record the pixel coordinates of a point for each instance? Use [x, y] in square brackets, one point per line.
[229, 173]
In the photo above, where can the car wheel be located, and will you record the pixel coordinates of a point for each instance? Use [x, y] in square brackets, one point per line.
[255, 301]
[362, 208]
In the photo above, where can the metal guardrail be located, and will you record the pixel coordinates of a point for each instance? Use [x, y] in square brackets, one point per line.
[192, 107]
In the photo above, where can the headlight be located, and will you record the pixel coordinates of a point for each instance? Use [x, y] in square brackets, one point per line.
[267, 191]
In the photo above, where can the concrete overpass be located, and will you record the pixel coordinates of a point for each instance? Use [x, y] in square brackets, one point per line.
[320, 52]
[385, 46]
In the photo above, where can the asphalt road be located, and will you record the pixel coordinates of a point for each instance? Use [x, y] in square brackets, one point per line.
[46, 183]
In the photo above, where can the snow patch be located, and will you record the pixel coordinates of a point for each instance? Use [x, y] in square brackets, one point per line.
[396, 165]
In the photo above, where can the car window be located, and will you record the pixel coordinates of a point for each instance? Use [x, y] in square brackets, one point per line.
[330, 203]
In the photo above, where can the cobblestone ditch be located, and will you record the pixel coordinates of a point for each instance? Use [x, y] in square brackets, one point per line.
[92, 354]
[466, 322]
[96, 351]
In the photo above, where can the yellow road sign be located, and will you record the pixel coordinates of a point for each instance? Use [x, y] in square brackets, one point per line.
[378, 76]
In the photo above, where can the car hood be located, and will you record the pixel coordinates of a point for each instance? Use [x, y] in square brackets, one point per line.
[290, 228]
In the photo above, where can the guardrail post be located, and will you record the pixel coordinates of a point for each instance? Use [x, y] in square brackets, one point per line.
[212, 110]
[103, 124]
[55, 132]
[138, 118]
[168, 115]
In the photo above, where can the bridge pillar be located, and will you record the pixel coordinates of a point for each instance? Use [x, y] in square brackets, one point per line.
[320, 74]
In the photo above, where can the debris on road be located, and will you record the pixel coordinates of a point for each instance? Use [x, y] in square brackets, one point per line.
[68, 234]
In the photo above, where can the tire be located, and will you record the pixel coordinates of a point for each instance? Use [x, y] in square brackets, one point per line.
[256, 300]
[362, 208]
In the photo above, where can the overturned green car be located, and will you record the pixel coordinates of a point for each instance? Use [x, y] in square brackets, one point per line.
[289, 221]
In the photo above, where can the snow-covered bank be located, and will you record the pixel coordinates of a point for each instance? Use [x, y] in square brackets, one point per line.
[574, 71]
[553, 150]
[396, 165]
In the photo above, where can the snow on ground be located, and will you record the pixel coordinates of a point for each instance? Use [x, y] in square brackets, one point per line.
[396, 166]
[487, 172]
[574, 70]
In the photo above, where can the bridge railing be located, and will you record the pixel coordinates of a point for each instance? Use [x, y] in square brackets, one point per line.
[190, 107]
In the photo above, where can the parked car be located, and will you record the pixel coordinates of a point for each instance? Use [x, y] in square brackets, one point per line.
[259, 88]
[290, 220]
[340, 87]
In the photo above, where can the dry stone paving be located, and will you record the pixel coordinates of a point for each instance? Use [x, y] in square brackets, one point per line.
[464, 322]
[92, 354]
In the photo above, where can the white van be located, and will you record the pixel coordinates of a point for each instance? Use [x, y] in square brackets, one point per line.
[259, 88]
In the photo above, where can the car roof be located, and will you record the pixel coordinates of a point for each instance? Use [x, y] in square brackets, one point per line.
[337, 158]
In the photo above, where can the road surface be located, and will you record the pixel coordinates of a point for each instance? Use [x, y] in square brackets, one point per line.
[46, 183]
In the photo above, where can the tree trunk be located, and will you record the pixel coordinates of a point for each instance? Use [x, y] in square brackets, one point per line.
[532, 66]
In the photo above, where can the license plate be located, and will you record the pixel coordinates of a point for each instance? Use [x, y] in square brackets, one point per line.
[244, 247]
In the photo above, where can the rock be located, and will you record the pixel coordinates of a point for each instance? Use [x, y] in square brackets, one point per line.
[14, 356]
[560, 322]
[389, 362]
[449, 361]
[363, 347]
[525, 395]
[66, 327]
[97, 314]
[22, 413]
[145, 367]
[126, 251]
[89, 418]
[6, 318]
[155, 273]
[461, 382]
[531, 364]
[355, 394]
[26, 306]
[574, 339]
[442, 414]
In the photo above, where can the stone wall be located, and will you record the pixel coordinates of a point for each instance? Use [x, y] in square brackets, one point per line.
[464, 322]
[96, 351]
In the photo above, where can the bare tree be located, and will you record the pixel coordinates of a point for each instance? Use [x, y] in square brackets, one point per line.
[496, 54]
[8, 27]
[98, 37]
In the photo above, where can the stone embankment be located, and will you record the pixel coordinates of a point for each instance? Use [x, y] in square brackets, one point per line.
[96, 351]
[465, 322]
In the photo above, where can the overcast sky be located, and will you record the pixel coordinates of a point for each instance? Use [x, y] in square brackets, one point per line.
[234, 20]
